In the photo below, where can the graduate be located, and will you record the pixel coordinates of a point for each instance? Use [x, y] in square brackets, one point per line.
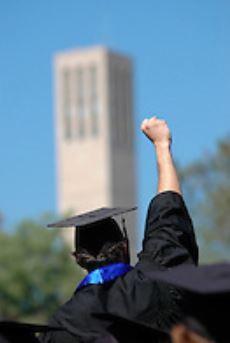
[112, 285]
[207, 306]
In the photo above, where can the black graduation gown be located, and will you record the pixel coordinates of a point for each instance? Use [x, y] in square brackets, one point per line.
[169, 241]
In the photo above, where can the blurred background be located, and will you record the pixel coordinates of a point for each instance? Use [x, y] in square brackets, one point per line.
[173, 58]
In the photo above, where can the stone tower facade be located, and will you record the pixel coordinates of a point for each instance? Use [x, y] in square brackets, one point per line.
[95, 132]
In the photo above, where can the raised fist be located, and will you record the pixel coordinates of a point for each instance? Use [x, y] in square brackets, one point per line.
[157, 131]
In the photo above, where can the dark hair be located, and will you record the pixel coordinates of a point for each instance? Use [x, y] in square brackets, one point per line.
[111, 252]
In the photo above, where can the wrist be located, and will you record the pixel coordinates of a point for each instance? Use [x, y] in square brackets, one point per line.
[163, 152]
[162, 145]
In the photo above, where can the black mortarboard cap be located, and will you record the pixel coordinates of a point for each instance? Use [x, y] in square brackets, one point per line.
[129, 330]
[208, 296]
[12, 332]
[96, 227]
[92, 217]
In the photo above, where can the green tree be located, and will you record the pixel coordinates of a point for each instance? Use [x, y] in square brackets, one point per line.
[206, 185]
[36, 271]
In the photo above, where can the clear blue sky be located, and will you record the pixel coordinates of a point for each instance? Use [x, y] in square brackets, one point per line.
[181, 51]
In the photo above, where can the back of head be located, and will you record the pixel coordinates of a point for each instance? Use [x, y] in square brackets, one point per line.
[100, 244]
[99, 240]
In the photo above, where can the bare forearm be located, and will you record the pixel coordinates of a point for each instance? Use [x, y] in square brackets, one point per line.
[159, 134]
[167, 174]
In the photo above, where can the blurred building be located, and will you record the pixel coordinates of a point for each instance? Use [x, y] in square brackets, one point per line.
[94, 131]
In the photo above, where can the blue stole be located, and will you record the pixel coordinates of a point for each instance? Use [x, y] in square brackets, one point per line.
[105, 274]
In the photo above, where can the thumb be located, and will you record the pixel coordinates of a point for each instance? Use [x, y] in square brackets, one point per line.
[144, 125]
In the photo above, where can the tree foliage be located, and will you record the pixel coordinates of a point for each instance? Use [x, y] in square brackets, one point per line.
[36, 271]
[206, 185]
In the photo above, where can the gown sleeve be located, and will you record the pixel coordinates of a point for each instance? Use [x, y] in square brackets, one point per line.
[169, 238]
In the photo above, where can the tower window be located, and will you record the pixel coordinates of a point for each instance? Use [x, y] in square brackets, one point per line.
[80, 102]
[93, 102]
[66, 104]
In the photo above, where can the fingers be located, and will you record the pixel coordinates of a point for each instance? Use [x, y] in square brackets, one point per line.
[146, 123]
